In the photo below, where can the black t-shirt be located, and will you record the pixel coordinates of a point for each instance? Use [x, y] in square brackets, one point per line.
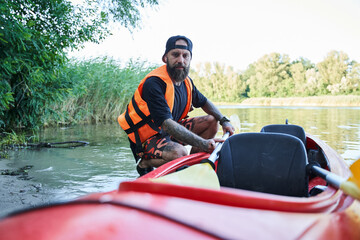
[154, 94]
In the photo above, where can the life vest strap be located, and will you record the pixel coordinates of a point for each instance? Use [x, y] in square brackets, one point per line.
[137, 109]
[139, 148]
[143, 122]
[135, 128]
[144, 119]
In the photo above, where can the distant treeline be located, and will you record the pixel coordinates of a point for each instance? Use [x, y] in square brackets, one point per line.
[274, 75]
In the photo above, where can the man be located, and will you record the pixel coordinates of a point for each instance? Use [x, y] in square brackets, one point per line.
[156, 118]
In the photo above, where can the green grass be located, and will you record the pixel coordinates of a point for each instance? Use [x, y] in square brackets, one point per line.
[10, 141]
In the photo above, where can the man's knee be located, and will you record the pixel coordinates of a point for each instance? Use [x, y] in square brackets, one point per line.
[174, 151]
[212, 120]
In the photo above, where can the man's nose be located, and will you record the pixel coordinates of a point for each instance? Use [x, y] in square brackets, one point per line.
[181, 59]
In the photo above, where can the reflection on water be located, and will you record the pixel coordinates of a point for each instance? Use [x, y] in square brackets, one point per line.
[338, 127]
[107, 160]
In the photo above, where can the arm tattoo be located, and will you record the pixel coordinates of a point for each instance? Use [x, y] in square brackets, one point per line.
[182, 134]
[211, 109]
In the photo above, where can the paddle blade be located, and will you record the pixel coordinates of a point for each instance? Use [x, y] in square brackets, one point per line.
[199, 175]
[355, 170]
[351, 189]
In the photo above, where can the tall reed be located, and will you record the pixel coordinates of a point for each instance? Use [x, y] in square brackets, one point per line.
[102, 89]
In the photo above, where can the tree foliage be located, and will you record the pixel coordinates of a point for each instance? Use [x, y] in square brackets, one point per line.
[271, 78]
[274, 75]
[219, 82]
[125, 12]
[34, 37]
[332, 71]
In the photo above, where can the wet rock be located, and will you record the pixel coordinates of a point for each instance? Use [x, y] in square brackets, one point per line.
[22, 172]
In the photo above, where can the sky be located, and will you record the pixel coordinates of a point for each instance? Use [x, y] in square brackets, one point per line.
[238, 32]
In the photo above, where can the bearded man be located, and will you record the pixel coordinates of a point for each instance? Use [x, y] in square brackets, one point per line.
[156, 119]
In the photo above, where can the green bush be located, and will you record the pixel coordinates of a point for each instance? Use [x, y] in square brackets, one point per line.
[34, 38]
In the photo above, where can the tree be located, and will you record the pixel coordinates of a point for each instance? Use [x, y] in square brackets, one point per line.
[272, 77]
[34, 35]
[298, 70]
[298, 73]
[218, 82]
[312, 85]
[332, 70]
[351, 84]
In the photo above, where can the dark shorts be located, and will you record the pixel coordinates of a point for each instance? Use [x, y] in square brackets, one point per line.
[154, 146]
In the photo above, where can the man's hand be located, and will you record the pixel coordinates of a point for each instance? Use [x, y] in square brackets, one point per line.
[227, 127]
[210, 109]
[211, 144]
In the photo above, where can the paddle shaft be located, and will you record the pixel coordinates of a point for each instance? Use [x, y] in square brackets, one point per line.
[330, 177]
[348, 187]
[216, 151]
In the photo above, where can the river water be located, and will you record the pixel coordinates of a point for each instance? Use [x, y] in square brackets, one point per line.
[67, 173]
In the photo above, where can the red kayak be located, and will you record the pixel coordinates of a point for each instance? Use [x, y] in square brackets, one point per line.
[268, 190]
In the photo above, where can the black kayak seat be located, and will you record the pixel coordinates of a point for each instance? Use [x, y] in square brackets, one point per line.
[264, 162]
[294, 130]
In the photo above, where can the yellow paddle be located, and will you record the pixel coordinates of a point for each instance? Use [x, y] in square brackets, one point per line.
[198, 175]
[355, 170]
[350, 186]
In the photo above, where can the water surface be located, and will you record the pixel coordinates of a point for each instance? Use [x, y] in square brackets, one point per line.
[107, 160]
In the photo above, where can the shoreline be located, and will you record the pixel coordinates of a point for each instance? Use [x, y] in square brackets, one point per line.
[17, 193]
[314, 101]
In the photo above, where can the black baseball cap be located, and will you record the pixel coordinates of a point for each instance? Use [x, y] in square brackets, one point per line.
[170, 44]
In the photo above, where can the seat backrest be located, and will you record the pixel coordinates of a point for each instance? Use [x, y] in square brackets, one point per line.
[264, 162]
[294, 130]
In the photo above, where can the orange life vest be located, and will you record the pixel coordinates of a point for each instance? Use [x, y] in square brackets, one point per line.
[136, 120]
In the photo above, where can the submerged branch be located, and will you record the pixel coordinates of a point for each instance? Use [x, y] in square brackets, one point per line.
[67, 144]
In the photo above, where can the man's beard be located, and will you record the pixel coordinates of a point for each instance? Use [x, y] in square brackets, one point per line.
[178, 75]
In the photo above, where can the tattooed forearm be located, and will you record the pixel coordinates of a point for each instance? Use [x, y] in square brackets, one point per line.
[182, 134]
[210, 109]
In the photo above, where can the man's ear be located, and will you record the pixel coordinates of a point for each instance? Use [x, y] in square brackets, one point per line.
[164, 59]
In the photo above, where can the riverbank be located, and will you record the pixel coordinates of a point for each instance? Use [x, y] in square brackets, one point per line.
[17, 191]
[315, 101]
